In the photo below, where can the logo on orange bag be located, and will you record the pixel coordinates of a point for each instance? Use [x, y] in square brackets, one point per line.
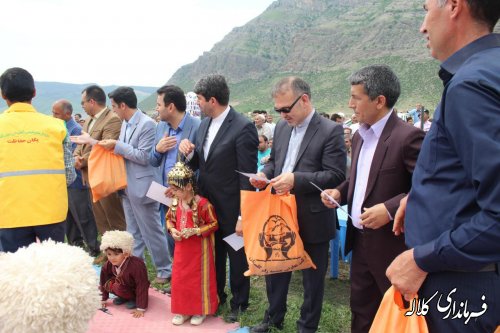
[276, 239]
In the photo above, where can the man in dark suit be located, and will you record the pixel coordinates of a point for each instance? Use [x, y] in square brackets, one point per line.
[384, 153]
[226, 141]
[306, 147]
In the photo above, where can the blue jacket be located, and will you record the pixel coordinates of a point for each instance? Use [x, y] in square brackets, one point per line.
[189, 130]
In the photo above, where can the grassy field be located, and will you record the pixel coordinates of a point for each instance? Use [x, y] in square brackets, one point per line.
[335, 318]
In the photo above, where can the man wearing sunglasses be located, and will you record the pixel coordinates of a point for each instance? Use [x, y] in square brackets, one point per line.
[306, 148]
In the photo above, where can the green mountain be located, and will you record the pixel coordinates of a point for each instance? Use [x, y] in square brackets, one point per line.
[323, 41]
[49, 92]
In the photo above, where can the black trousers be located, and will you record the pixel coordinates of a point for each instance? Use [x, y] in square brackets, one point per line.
[12, 239]
[313, 281]
[80, 222]
[239, 284]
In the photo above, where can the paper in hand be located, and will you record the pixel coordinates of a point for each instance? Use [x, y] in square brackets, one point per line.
[254, 176]
[157, 192]
[235, 241]
[331, 199]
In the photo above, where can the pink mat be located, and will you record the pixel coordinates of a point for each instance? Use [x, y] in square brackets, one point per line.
[158, 319]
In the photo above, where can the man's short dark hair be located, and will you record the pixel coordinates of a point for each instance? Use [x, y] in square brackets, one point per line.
[264, 112]
[124, 95]
[173, 94]
[378, 80]
[296, 84]
[266, 140]
[336, 116]
[96, 93]
[485, 11]
[67, 107]
[17, 85]
[213, 86]
[78, 114]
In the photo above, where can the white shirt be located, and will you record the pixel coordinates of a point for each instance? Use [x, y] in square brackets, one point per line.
[93, 119]
[296, 138]
[354, 128]
[212, 131]
[370, 136]
[427, 125]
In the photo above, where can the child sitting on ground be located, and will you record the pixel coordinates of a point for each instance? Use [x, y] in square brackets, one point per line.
[191, 221]
[124, 275]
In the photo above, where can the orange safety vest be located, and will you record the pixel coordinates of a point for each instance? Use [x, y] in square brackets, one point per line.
[32, 177]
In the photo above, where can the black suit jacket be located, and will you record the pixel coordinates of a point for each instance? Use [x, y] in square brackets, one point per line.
[234, 148]
[388, 182]
[322, 160]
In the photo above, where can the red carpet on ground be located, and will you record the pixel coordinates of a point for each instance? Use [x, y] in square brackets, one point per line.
[158, 319]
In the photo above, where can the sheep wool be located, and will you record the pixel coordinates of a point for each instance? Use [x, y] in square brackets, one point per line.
[47, 287]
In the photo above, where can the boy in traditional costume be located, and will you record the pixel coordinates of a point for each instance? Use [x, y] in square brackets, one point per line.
[192, 222]
[123, 274]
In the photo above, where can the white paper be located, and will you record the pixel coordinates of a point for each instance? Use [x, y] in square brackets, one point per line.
[157, 192]
[235, 241]
[331, 199]
[254, 176]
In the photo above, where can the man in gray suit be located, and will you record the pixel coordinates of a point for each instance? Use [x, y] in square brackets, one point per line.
[142, 214]
[306, 147]
[175, 125]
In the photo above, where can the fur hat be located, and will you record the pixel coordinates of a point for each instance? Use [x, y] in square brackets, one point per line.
[47, 287]
[116, 239]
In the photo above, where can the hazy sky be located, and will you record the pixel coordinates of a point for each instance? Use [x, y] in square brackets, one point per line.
[123, 42]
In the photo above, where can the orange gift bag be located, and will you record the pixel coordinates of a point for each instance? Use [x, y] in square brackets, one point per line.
[106, 172]
[271, 233]
[391, 316]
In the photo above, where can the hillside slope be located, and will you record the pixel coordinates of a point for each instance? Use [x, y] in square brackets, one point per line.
[323, 41]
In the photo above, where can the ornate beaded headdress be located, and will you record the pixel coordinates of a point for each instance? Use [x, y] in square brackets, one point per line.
[181, 175]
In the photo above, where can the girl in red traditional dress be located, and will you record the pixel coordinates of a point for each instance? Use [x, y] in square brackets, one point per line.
[191, 221]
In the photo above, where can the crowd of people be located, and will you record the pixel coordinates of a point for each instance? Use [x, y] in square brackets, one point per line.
[423, 200]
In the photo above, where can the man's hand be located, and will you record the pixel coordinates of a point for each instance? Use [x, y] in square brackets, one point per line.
[186, 147]
[334, 194]
[78, 162]
[283, 183]
[137, 313]
[260, 184]
[166, 143]
[239, 227]
[176, 234]
[399, 220]
[84, 139]
[108, 144]
[375, 217]
[405, 275]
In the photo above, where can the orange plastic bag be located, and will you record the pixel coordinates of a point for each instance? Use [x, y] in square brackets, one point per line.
[106, 172]
[271, 233]
[391, 316]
